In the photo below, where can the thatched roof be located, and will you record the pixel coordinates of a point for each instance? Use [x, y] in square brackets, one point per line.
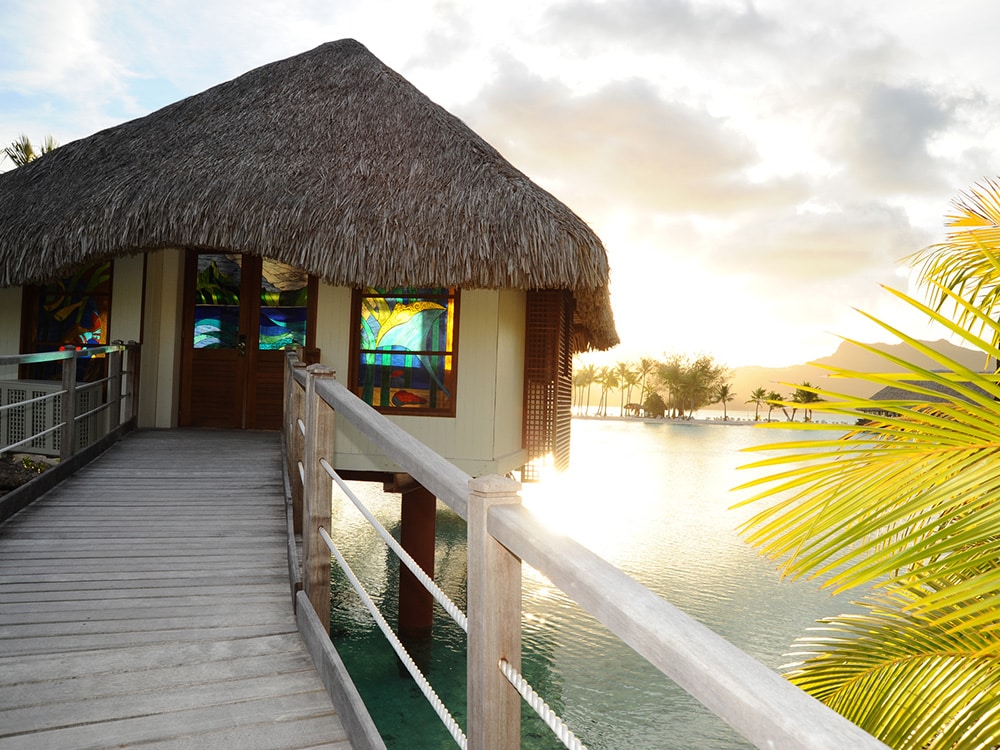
[897, 394]
[329, 161]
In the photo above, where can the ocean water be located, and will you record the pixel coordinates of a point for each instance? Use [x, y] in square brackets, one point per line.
[655, 500]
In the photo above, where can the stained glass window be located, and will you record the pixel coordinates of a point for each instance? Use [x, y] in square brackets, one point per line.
[283, 306]
[406, 349]
[73, 311]
[217, 301]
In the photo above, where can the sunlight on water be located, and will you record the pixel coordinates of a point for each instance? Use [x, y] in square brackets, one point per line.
[655, 500]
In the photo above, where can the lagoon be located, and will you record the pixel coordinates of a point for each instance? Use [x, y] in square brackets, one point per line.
[654, 499]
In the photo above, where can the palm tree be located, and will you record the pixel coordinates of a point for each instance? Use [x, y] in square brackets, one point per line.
[630, 381]
[724, 393]
[668, 376]
[21, 151]
[585, 377]
[646, 366]
[774, 400]
[806, 395]
[910, 502]
[757, 398]
[623, 372]
[607, 378]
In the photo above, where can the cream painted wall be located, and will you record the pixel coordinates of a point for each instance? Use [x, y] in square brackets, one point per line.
[126, 299]
[485, 435]
[159, 378]
[510, 380]
[10, 328]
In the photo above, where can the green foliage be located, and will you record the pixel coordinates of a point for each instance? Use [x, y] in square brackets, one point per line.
[905, 507]
[653, 406]
[22, 152]
[36, 466]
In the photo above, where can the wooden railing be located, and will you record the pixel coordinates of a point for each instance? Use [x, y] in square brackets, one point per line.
[758, 703]
[64, 418]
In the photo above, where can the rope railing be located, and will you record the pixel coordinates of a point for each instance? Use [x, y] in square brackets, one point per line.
[540, 707]
[761, 705]
[426, 581]
[418, 677]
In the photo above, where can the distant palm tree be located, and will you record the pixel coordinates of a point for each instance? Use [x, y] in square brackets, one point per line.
[585, 377]
[607, 378]
[646, 366]
[629, 382]
[806, 395]
[774, 400]
[668, 375]
[623, 372]
[724, 393]
[757, 398]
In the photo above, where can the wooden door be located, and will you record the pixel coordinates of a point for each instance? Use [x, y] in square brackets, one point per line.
[240, 313]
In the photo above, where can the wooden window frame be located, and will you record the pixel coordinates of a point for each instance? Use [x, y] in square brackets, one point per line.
[453, 294]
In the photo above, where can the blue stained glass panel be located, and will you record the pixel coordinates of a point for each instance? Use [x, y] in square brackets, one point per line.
[282, 327]
[216, 326]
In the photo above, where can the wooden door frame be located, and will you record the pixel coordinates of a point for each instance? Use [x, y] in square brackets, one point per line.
[249, 326]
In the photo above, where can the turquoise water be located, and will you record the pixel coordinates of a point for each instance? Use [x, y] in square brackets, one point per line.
[653, 499]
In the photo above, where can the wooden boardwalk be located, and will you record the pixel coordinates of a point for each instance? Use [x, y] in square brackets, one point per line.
[145, 602]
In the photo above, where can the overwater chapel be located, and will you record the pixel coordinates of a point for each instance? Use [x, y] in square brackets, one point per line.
[318, 202]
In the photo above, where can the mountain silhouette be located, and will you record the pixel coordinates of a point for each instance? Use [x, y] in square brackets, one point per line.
[848, 356]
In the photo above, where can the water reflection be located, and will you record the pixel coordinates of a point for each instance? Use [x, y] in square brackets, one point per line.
[654, 500]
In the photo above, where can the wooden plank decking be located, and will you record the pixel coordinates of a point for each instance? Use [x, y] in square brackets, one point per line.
[145, 602]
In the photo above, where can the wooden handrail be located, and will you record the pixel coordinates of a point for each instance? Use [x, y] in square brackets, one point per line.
[757, 702]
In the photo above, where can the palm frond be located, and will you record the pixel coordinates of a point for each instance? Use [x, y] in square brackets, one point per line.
[902, 678]
[903, 501]
[965, 263]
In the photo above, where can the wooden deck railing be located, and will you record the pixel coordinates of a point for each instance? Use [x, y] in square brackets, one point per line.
[762, 706]
[64, 418]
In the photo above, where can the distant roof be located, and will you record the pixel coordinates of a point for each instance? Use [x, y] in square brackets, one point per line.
[898, 393]
[329, 161]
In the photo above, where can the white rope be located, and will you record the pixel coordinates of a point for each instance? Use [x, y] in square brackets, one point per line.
[439, 708]
[302, 426]
[302, 473]
[428, 583]
[533, 699]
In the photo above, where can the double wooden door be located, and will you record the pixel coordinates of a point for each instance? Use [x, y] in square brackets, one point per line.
[240, 313]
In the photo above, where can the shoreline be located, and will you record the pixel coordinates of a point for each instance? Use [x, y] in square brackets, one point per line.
[665, 420]
[718, 421]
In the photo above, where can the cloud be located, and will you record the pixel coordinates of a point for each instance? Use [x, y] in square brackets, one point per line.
[621, 144]
[882, 135]
[654, 24]
[834, 248]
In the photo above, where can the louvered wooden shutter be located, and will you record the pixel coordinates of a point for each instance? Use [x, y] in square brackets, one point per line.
[548, 380]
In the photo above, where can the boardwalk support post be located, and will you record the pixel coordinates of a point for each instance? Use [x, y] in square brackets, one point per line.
[317, 495]
[494, 604]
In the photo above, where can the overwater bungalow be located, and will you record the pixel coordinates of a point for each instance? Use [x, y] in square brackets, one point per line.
[319, 202]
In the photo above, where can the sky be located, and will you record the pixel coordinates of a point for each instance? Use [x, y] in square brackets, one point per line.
[757, 169]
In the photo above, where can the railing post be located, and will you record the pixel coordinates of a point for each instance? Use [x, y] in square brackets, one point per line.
[294, 440]
[317, 495]
[115, 387]
[68, 416]
[132, 389]
[494, 604]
